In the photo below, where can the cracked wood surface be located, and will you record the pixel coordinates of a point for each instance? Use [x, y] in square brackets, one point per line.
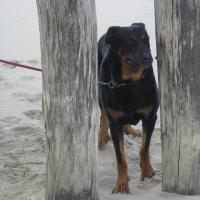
[178, 46]
[68, 45]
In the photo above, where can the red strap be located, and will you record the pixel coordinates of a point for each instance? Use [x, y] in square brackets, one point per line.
[20, 65]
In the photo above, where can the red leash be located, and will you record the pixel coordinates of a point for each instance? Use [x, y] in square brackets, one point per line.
[20, 65]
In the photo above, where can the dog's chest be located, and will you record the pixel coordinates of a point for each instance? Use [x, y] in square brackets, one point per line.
[132, 117]
[128, 100]
[129, 106]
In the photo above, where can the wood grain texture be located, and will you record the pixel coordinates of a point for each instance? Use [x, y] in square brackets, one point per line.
[68, 45]
[178, 47]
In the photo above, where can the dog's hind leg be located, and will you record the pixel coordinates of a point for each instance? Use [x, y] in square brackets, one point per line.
[147, 170]
[103, 136]
[131, 131]
[122, 168]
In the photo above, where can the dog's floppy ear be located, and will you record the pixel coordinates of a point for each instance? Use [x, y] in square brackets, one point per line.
[112, 34]
[138, 26]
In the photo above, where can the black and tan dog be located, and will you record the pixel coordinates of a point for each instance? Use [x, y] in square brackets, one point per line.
[127, 94]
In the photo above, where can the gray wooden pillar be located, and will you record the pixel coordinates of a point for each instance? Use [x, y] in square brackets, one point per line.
[178, 49]
[68, 46]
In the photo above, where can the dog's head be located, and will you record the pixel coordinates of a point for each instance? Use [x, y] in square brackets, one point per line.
[131, 45]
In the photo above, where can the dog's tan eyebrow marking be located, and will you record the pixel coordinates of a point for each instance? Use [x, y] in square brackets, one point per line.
[133, 38]
[144, 37]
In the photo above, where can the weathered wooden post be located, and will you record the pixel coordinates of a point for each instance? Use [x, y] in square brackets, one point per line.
[68, 45]
[178, 48]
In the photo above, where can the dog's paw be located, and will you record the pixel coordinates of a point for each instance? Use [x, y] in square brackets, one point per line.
[102, 141]
[147, 171]
[122, 187]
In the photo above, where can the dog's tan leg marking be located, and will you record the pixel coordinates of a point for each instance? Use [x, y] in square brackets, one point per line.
[115, 114]
[147, 170]
[122, 169]
[146, 111]
[131, 131]
[103, 136]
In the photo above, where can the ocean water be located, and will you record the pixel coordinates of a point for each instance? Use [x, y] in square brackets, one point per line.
[19, 32]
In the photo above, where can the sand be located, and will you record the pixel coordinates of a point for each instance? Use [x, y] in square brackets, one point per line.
[22, 147]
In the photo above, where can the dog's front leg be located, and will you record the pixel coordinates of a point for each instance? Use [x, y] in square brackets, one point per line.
[122, 168]
[103, 136]
[148, 127]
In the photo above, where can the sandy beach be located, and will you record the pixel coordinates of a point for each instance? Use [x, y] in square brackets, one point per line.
[22, 147]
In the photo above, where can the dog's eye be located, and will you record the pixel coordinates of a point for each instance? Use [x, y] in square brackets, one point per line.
[129, 61]
[133, 39]
[144, 37]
